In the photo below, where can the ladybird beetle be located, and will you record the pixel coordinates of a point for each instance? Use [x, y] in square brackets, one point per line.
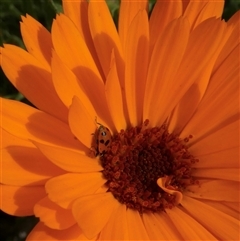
[104, 139]
[101, 139]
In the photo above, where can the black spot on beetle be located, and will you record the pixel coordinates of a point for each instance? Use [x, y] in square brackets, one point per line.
[107, 142]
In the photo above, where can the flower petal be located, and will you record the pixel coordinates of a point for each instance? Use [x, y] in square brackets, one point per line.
[162, 69]
[201, 48]
[29, 123]
[185, 108]
[136, 228]
[81, 122]
[235, 206]
[37, 40]
[209, 148]
[23, 165]
[65, 189]
[162, 182]
[115, 98]
[14, 199]
[159, 227]
[62, 77]
[231, 174]
[42, 232]
[116, 227]
[221, 95]
[9, 140]
[211, 9]
[219, 190]
[77, 11]
[52, 215]
[105, 36]
[198, 11]
[128, 10]
[28, 75]
[162, 14]
[136, 55]
[218, 223]
[221, 206]
[69, 160]
[188, 227]
[93, 212]
[72, 49]
[228, 158]
[231, 45]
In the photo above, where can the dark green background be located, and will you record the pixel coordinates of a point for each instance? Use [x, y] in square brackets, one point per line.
[16, 228]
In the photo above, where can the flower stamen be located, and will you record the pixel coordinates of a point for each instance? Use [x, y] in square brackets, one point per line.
[148, 168]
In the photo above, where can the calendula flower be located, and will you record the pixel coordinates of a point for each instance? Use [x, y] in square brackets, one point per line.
[135, 130]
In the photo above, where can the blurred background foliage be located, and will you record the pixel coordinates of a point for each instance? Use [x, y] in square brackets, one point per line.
[16, 228]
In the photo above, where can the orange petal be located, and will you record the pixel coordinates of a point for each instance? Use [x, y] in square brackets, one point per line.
[136, 55]
[62, 77]
[68, 43]
[9, 140]
[234, 206]
[72, 49]
[231, 174]
[218, 223]
[168, 10]
[116, 228]
[37, 40]
[28, 75]
[188, 227]
[218, 190]
[224, 208]
[102, 189]
[70, 160]
[52, 215]
[93, 212]
[159, 227]
[73, 186]
[221, 95]
[201, 48]
[211, 9]
[208, 148]
[115, 98]
[185, 108]
[42, 232]
[26, 166]
[234, 19]
[163, 184]
[29, 123]
[105, 36]
[19, 201]
[77, 11]
[162, 69]
[228, 158]
[136, 229]
[193, 9]
[82, 122]
[198, 11]
[128, 10]
[231, 45]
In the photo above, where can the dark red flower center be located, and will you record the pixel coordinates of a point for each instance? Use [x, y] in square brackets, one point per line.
[147, 168]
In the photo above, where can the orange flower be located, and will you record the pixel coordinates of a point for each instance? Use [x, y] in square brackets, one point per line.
[167, 89]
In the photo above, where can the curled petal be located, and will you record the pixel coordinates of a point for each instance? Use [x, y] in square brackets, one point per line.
[164, 183]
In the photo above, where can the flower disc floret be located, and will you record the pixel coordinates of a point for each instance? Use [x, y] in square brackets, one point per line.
[138, 157]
